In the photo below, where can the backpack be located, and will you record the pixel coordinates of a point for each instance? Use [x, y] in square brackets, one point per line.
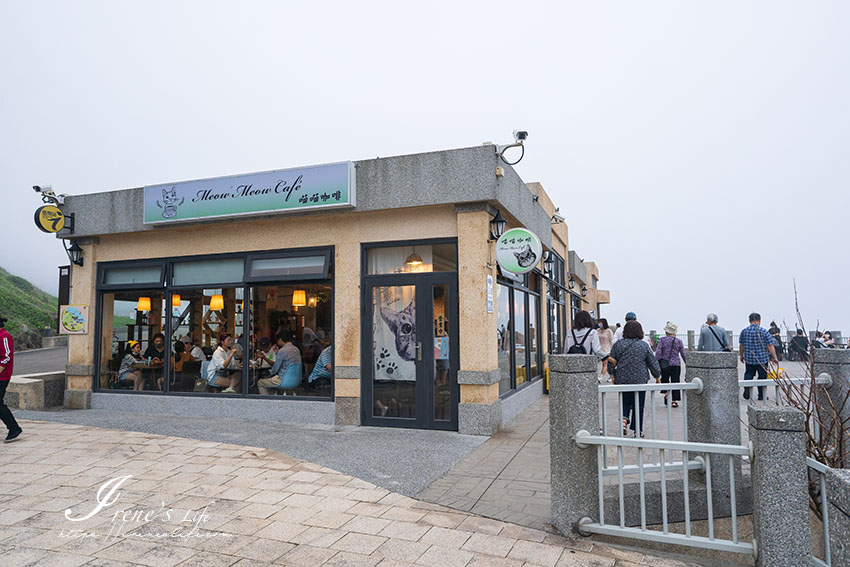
[578, 347]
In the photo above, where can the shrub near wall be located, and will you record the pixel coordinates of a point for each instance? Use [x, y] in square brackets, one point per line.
[27, 308]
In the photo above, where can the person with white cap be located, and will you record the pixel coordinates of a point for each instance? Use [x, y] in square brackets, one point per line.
[667, 353]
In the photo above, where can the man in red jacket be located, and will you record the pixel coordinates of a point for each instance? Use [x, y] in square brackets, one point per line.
[7, 359]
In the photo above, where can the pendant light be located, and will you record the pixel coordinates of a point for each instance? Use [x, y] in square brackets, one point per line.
[144, 304]
[217, 302]
[414, 259]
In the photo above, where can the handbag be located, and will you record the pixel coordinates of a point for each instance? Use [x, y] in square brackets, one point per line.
[726, 348]
[664, 363]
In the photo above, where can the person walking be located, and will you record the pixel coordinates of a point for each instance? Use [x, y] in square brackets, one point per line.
[606, 341]
[799, 347]
[7, 363]
[756, 351]
[668, 354]
[618, 335]
[583, 336]
[712, 337]
[633, 357]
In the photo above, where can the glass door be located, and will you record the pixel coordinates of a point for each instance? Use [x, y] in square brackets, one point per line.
[411, 352]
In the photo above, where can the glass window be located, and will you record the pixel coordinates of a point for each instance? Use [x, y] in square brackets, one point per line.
[134, 275]
[302, 315]
[198, 318]
[520, 337]
[412, 259]
[292, 266]
[503, 337]
[394, 351]
[197, 272]
[127, 318]
[533, 330]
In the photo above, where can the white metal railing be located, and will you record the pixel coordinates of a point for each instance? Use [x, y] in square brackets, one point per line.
[670, 458]
[584, 439]
[821, 379]
[820, 470]
[648, 391]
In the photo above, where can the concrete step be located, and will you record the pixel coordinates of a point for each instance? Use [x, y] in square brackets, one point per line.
[36, 391]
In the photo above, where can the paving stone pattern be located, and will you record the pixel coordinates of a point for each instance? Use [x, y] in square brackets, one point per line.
[191, 502]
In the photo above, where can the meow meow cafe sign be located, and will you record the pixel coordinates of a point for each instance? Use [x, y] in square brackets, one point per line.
[279, 191]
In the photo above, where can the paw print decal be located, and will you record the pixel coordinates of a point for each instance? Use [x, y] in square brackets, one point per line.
[382, 356]
[391, 367]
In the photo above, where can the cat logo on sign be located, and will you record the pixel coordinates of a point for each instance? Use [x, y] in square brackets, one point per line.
[518, 251]
[49, 218]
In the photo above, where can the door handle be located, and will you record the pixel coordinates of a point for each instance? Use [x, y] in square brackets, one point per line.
[419, 351]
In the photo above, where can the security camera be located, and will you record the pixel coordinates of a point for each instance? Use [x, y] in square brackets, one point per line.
[44, 189]
[520, 135]
[557, 219]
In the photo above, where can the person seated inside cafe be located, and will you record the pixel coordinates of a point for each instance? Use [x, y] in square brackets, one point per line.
[221, 372]
[194, 350]
[268, 350]
[156, 351]
[320, 377]
[181, 356]
[128, 370]
[287, 354]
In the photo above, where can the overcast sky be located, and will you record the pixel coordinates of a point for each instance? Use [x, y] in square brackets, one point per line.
[698, 150]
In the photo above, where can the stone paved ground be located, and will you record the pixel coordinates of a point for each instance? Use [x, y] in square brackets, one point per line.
[192, 502]
[507, 477]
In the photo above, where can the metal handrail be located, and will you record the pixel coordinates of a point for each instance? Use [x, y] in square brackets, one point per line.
[585, 439]
[822, 379]
[695, 384]
[821, 469]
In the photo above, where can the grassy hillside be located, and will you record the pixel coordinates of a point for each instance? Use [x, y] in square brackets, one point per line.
[27, 308]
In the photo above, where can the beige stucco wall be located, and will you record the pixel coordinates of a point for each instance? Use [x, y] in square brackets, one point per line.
[346, 231]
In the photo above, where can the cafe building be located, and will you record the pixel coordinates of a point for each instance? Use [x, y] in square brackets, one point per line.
[387, 274]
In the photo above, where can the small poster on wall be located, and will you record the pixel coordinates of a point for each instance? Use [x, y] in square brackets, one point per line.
[73, 320]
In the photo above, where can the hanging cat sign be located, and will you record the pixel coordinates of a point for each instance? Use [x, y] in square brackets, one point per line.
[518, 251]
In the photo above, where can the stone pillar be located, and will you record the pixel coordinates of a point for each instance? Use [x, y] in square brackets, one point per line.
[836, 363]
[573, 406]
[838, 497]
[781, 525]
[714, 417]
[691, 342]
[479, 409]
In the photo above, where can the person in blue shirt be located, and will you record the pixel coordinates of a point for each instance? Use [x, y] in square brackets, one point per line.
[755, 347]
[321, 374]
[287, 354]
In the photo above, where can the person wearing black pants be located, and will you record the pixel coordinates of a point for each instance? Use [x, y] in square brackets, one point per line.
[667, 353]
[7, 357]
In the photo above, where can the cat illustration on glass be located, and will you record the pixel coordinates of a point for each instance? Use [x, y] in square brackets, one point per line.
[403, 325]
